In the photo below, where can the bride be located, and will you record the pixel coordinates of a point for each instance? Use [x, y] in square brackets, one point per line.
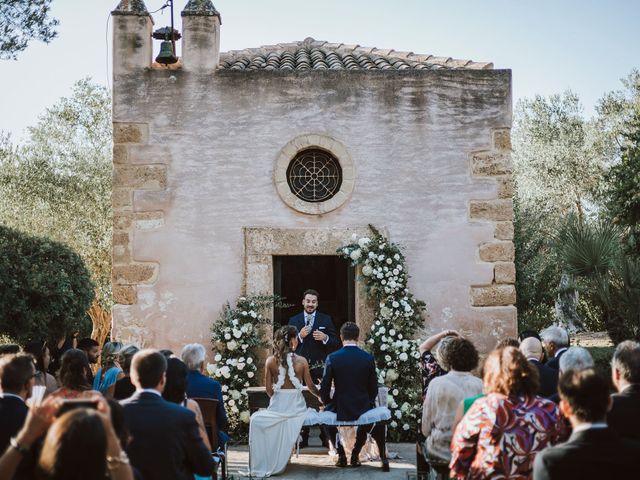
[273, 432]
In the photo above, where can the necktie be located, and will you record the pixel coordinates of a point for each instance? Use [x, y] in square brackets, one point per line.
[309, 320]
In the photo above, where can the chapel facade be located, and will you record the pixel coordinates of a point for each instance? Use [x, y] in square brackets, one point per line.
[242, 172]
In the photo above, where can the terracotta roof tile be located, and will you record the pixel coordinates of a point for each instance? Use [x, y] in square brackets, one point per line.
[313, 54]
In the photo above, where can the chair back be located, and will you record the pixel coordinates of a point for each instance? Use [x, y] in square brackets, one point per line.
[209, 409]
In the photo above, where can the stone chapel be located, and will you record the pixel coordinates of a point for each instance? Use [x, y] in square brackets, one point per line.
[242, 173]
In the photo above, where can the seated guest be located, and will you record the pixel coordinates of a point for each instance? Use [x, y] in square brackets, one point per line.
[444, 395]
[624, 416]
[594, 451]
[82, 443]
[175, 390]
[124, 388]
[504, 430]
[92, 349]
[574, 358]
[201, 386]
[432, 364]
[555, 341]
[16, 380]
[110, 373]
[531, 348]
[73, 376]
[40, 353]
[165, 439]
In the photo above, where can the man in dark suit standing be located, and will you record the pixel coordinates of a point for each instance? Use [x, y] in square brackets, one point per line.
[16, 379]
[624, 416]
[353, 374]
[532, 349]
[555, 341]
[166, 442]
[593, 451]
[317, 334]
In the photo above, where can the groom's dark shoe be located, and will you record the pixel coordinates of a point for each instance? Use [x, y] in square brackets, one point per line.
[355, 462]
[342, 461]
[385, 465]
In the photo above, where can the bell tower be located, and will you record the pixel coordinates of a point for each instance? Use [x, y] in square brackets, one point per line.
[201, 40]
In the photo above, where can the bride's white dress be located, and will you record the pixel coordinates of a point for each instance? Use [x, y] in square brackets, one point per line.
[273, 432]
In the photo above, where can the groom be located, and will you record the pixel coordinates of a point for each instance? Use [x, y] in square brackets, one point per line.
[353, 373]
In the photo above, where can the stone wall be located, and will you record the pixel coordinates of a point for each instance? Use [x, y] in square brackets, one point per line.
[195, 156]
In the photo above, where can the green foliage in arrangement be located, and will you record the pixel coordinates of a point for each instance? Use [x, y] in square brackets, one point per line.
[398, 316]
[58, 182]
[45, 288]
[238, 337]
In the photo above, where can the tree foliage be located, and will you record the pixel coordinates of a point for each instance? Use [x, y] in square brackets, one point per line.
[45, 288]
[58, 183]
[22, 21]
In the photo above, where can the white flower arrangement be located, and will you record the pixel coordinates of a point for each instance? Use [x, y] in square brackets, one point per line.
[398, 317]
[236, 340]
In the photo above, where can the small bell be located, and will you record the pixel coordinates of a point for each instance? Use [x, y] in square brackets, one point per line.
[166, 56]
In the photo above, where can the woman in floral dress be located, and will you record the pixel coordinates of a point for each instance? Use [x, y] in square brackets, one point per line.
[502, 432]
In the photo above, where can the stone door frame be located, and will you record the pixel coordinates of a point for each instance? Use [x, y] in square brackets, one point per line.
[261, 244]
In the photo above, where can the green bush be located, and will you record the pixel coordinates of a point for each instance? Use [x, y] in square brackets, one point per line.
[45, 288]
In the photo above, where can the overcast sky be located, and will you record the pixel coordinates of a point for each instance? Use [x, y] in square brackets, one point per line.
[551, 45]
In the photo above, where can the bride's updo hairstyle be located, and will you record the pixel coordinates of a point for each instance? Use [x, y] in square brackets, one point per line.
[282, 343]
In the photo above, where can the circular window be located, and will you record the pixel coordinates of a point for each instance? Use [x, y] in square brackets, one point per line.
[314, 175]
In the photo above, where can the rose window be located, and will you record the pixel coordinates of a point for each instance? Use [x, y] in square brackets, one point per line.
[314, 175]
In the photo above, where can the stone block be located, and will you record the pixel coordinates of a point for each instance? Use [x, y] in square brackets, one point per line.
[504, 231]
[149, 154]
[121, 248]
[130, 132]
[505, 187]
[149, 220]
[122, 220]
[493, 295]
[505, 272]
[140, 177]
[502, 139]
[120, 153]
[134, 273]
[497, 252]
[491, 163]
[121, 198]
[498, 210]
[125, 294]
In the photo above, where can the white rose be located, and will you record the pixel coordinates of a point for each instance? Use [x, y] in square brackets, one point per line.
[396, 256]
[240, 366]
[372, 255]
[381, 258]
[250, 374]
[231, 402]
[405, 426]
[391, 375]
[249, 360]
[218, 357]
[381, 330]
[396, 271]
[379, 275]
[235, 394]
[363, 242]
[227, 336]
[400, 336]
[245, 416]
[253, 314]
[389, 261]
[383, 347]
[392, 332]
[232, 345]
[394, 424]
[398, 413]
[356, 254]
[237, 333]
[395, 391]
[404, 407]
[395, 304]
[387, 358]
[234, 409]
[403, 357]
[211, 368]
[367, 270]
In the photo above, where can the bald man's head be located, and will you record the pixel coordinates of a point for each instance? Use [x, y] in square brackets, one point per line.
[531, 347]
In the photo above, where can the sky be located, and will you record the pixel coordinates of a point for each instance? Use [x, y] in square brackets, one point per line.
[550, 45]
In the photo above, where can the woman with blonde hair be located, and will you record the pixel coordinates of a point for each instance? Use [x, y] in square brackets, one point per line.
[273, 432]
[503, 431]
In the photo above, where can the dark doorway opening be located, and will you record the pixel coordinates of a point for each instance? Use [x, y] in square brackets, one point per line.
[333, 277]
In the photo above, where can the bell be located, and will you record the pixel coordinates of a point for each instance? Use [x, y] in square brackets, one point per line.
[166, 55]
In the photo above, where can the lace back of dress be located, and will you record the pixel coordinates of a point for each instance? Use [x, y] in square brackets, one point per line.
[282, 373]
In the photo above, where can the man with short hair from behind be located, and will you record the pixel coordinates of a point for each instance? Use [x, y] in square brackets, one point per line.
[555, 341]
[200, 385]
[624, 416]
[165, 439]
[593, 451]
[574, 358]
[16, 379]
[531, 348]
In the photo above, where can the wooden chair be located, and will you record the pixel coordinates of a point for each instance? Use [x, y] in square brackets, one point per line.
[209, 409]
